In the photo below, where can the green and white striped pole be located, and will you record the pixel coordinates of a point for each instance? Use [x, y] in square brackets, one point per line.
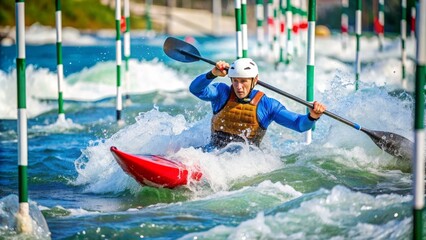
[358, 30]
[119, 101]
[403, 38]
[127, 48]
[419, 138]
[310, 67]
[244, 27]
[260, 34]
[345, 24]
[381, 23]
[60, 66]
[23, 218]
[239, 34]
[289, 25]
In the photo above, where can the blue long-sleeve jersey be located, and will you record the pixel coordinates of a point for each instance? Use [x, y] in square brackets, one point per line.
[268, 109]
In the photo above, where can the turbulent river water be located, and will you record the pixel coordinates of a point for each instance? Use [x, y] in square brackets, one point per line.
[341, 186]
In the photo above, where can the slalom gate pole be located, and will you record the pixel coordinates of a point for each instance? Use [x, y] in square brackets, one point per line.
[270, 13]
[413, 21]
[381, 19]
[244, 28]
[24, 221]
[280, 36]
[126, 39]
[289, 25]
[295, 29]
[403, 38]
[60, 66]
[310, 67]
[358, 30]
[304, 23]
[345, 24]
[260, 34]
[419, 137]
[238, 32]
[119, 101]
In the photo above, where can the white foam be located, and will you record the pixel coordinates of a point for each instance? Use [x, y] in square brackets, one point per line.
[90, 84]
[313, 218]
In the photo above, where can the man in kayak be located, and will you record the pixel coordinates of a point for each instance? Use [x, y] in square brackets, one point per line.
[241, 113]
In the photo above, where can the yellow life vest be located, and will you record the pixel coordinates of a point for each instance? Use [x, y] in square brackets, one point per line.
[237, 122]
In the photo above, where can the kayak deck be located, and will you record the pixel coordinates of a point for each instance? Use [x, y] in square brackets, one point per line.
[154, 170]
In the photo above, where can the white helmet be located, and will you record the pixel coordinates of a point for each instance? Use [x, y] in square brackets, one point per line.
[243, 68]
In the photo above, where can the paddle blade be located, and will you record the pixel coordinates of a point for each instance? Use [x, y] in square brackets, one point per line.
[392, 143]
[175, 49]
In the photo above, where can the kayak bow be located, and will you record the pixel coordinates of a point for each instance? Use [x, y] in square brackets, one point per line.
[154, 170]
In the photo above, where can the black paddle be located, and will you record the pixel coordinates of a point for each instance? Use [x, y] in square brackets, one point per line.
[392, 143]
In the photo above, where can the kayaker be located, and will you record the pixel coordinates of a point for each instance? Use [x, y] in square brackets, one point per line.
[242, 113]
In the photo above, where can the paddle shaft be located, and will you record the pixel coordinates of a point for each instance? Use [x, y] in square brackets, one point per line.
[311, 105]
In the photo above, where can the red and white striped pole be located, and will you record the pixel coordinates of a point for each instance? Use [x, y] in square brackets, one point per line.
[345, 24]
[296, 30]
[281, 37]
[413, 22]
[271, 30]
[379, 24]
[289, 25]
[304, 23]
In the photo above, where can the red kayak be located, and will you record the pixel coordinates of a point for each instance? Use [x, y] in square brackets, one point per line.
[154, 170]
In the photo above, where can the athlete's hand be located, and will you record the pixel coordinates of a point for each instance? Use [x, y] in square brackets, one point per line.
[318, 110]
[221, 69]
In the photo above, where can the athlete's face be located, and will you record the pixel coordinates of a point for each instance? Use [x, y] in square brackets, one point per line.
[242, 86]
